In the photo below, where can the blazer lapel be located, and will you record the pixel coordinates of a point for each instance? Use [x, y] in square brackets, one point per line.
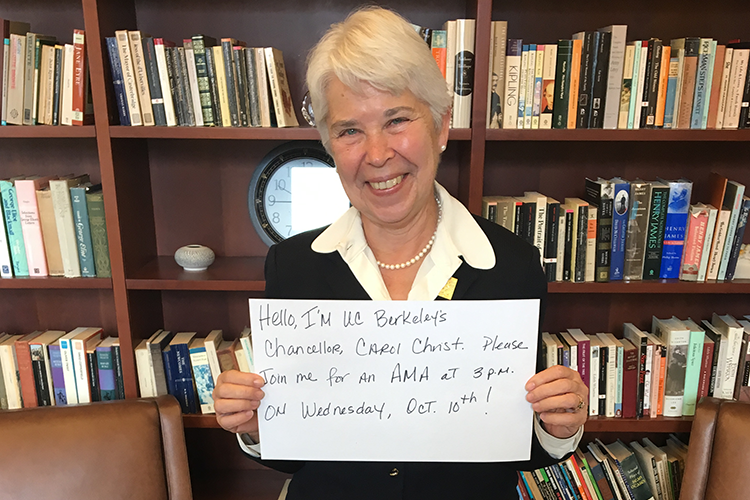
[343, 285]
[465, 277]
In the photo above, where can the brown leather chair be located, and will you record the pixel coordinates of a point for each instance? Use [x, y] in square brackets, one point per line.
[132, 449]
[719, 452]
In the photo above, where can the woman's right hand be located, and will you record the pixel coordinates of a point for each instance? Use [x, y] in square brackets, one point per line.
[236, 397]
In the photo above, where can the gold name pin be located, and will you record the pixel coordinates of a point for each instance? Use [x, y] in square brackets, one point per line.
[448, 289]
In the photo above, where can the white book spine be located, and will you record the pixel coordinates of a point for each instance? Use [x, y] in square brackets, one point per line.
[614, 74]
[247, 350]
[624, 96]
[71, 388]
[493, 48]
[560, 245]
[611, 380]
[641, 82]
[9, 374]
[6, 64]
[725, 74]
[16, 73]
[521, 108]
[6, 266]
[128, 78]
[450, 57]
[594, 381]
[463, 88]
[736, 86]
[717, 245]
[145, 380]
[678, 342]
[213, 360]
[734, 337]
[66, 105]
[166, 91]
[65, 227]
[705, 254]
[511, 92]
[655, 367]
[241, 359]
[195, 95]
[647, 384]
[80, 370]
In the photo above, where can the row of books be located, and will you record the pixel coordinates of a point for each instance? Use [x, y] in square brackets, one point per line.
[665, 372]
[204, 82]
[44, 81]
[631, 230]
[187, 366]
[615, 471]
[597, 79]
[57, 368]
[53, 226]
[453, 50]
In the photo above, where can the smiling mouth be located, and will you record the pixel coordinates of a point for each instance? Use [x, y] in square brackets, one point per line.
[387, 184]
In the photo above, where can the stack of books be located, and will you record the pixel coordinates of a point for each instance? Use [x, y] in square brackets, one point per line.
[53, 226]
[631, 230]
[203, 83]
[597, 79]
[44, 82]
[187, 366]
[664, 372]
[638, 471]
[57, 368]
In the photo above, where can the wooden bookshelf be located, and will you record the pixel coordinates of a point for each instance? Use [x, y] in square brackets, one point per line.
[164, 188]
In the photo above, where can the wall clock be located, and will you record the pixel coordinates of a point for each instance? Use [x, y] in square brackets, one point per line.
[293, 189]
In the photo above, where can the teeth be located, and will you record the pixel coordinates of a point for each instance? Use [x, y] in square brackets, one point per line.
[387, 184]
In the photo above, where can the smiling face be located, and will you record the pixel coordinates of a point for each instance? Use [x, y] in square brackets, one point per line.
[386, 150]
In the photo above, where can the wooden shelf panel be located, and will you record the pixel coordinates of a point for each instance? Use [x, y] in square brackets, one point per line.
[200, 421]
[225, 274]
[654, 286]
[49, 283]
[243, 133]
[47, 132]
[237, 484]
[639, 425]
[641, 135]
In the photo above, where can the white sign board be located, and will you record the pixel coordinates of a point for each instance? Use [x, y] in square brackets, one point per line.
[395, 381]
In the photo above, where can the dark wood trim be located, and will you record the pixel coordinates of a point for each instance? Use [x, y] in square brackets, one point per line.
[642, 425]
[655, 286]
[46, 132]
[225, 274]
[597, 135]
[48, 283]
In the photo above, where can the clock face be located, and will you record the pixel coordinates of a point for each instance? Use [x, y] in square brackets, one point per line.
[295, 188]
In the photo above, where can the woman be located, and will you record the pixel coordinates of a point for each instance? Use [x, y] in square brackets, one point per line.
[384, 116]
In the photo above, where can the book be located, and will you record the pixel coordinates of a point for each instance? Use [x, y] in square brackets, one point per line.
[639, 339]
[225, 353]
[83, 229]
[591, 244]
[640, 82]
[10, 374]
[727, 326]
[657, 220]
[25, 369]
[212, 344]
[520, 110]
[678, 204]
[620, 221]
[192, 93]
[551, 239]
[637, 229]
[9, 68]
[693, 370]
[6, 263]
[204, 382]
[34, 42]
[626, 85]
[141, 77]
[628, 464]
[117, 81]
[253, 93]
[710, 227]
[161, 69]
[79, 344]
[580, 238]
[688, 79]
[93, 371]
[563, 74]
[82, 112]
[49, 233]
[146, 382]
[31, 227]
[575, 82]
[240, 69]
[264, 99]
[155, 345]
[282, 98]
[185, 86]
[56, 371]
[66, 229]
[182, 378]
[737, 239]
[716, 70]
[512, 81]
[16, 78]
[737, 77]
[200, 42]
[677, 339]
[661, 98]
[154, 81]
[221, 85]
[40, 362]
[106, 371]
[98, 227]
[549, 70]
[733, 196]
[589, 52]
[697, 222]
[498, 47]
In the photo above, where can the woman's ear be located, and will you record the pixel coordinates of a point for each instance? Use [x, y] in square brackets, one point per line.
[445, 126]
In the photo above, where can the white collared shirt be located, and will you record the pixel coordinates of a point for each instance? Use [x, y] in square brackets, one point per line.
[458, 235]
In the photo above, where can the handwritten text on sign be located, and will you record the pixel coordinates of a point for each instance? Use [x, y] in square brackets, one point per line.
[404, 381]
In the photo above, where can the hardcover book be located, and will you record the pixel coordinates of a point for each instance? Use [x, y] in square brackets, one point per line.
[657, 220]
[13, 227]
[601, 193]
[678, 204]
[30, 225]
[282, 98]
[697, 224]
[677, 339]
[637, 229]
[512, 82]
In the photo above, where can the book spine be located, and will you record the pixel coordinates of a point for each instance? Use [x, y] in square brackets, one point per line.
[57, 92]
[213, 84]
[66, 355]
[204, 382]
[58, 375]
[674, 391]
[6, 263]
[530, 85]
[13, 227]
[6, 65]
[519, 110]
[83, 231]
[141, 78]
[704, 383]
[636, 84]
[184, 389]
[548, 86]
[575, 82]
[29, 89]
[735, 205]
[66, 105]
[16, 74]
[701, 84]
[674, 65]
[175, 89]
[512, 82]
[240, 75]
[689, 74]
[599, 90]
[231, 80]
[724, 90]
[128, 78]
[594, 380]
[463, 86]
[550, 241]
[590, 256]
[184, 79]
[99, 242]
[626, 87]
[694, 243]
[154, 82]
[119, 379]
[106, 374]
[693, 372]
[640, 194]
[604, 240]
[204, 87]
[65, 227]
[617, 67]
[589, 53]
[117, 83]
[221, 85]
[657, 220]
[41, 380]
[26, 374]
[93, 376]
[160, 54]
[675, 228]
[81, 371]
[581, 243]
[739, 235]
[653, 84]
[711, 101]
[31, 227]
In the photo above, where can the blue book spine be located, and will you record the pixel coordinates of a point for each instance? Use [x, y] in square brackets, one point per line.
[701, 84]
[58, 379]
[522, 87]
[107, 388]
[634, 89]
[709, 85]
[184, 379]
[169, 374]
[678, 206]
[83, 231]
[671, 92]
[119, 87]
[619, 230]
[13, 226]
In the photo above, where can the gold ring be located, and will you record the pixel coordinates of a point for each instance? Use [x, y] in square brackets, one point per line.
[580, 403]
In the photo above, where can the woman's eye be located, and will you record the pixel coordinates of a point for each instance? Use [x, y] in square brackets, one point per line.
[348, 132]
[399, 121]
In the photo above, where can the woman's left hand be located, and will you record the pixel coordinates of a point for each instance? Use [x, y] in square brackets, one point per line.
[560, 398]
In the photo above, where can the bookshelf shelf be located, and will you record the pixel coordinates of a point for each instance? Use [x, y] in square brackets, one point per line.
[640, 425]
[276, 134]
[598, 135]
[49, 283]
[225, 274]
[47, 132]
[653, 287]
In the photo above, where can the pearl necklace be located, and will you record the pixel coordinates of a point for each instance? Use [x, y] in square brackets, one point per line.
[426, 248]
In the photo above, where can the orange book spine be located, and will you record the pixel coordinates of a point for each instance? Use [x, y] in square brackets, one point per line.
[661, 99]
[660, 399]
[26, 374]
[575, 76]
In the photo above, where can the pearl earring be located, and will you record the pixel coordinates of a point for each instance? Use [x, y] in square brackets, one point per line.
[442, 148]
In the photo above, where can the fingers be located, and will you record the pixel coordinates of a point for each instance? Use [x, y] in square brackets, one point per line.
[236, 397]
[550, 374]
[564, 402]
[236, 422]
[559, 387]
[240, 378]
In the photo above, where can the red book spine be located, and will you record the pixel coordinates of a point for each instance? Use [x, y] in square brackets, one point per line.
[26, 374]
[630, 375]
[705, 379]
[584, 351]
[79, 77]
